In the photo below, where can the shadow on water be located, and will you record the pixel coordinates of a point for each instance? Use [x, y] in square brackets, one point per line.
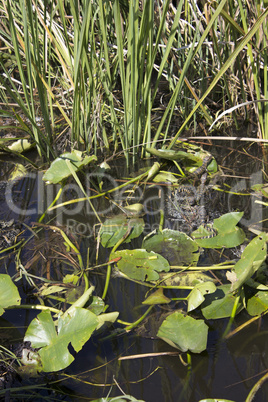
[227, 369]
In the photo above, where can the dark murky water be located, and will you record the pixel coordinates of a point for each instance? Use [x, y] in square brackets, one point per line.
[228, 369]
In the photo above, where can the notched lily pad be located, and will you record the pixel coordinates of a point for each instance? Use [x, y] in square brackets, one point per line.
[250, 261]
[175, 246]
[9, 294]
[220, 303]
[59, 168]
[184, 333]
[258, 303]
[140, 265]
[113, 229]
[227, 233]
[74, 328]
[197, 295]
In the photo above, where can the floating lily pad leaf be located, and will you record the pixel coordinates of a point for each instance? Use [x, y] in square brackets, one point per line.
[113, 229]
[49, 290]
[175, 246]
[258, 303]
[191, 165]
[227, 233]
[21, 145]
[191, 156]
[59, 168]
[73, 329]
[164, 177]
[184, 333]
[157, 297]
[250, 261]
[220, 303]
[80, 302]
[74, 293]
[9, 294]
[97, 305]
[133, 210]
[171, 155]
[140, 265]
[18, 172]
[183, 279]
[71, 278]
[196, 297]
[107, 319]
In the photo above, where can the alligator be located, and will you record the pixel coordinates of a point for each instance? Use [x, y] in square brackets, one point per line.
[187, 205]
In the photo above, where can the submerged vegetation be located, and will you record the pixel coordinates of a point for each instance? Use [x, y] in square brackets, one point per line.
[81, 82]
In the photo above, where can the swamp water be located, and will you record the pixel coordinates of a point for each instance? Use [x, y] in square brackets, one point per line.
[227, 369]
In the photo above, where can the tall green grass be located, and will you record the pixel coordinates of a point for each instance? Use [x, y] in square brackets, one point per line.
[98, 67]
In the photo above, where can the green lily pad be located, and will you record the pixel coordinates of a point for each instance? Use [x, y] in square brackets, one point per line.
[250, 261]
[21, 145]
[113, 229]
[48, 289]
[71, 278]
[227, 233]
[190, 155]
[140, 265]
[164, 177]
[258, 303]
[181, 279]
[133, 209]
[18, 172]
[184, 333]
[107, 319]
[220, 303]
[9, 294]
[170, 154]
[196, 297]
[74, 328]
[74, 293]
[97, 305]
[59, 169]
[157, 297]
[175, 246]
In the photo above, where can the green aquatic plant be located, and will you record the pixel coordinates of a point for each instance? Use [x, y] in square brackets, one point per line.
[166, 261]
[100, 71]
